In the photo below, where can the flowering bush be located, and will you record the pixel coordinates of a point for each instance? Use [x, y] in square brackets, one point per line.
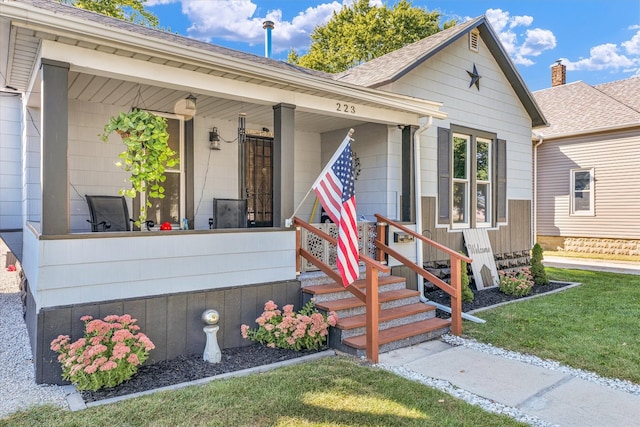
[517, 284]
[109, 354]
[306, 329]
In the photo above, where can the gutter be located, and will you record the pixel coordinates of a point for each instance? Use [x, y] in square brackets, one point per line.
[418, 201]
[534, 210]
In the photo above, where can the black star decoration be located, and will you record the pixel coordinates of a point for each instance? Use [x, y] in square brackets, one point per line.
[475, 77]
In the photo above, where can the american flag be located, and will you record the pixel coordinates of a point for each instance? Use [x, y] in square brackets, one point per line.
[335, 190]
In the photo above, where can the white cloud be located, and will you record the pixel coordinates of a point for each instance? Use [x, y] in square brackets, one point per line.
[632, 46]
[150, 3]
[241, 21]
[602, 57]
[520, 47]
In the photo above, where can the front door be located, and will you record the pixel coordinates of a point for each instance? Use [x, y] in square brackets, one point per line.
[258, 179]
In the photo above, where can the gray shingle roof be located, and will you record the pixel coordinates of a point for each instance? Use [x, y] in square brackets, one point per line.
[579, 108]
[71, 11]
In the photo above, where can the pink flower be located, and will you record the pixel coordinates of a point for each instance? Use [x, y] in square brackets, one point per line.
[90, 369]
[121, 335]
[244, 329]
[109, 366]
[288, 310]
[86, 318]
[269, 327]
[271, 345]
[133, 359]
[112, 318]
[121, 350]
[270, 305]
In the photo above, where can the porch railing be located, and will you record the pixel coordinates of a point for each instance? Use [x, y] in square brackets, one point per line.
[369, 297]
[454, 290]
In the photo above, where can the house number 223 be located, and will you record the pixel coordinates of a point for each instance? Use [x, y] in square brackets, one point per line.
[345, 108]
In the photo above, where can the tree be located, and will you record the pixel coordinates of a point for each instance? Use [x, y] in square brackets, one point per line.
[127, 10]
[537, 268]
[362, 32]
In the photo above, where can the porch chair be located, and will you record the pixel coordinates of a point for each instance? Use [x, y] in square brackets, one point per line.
[229, 213]
[108, 213]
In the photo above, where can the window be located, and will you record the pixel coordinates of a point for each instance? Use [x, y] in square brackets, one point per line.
[172, 207]
[471, 178]
[474, 35]
[582, 192]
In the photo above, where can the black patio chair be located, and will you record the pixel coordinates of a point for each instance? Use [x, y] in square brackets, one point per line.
[108, 213]
[229, 213]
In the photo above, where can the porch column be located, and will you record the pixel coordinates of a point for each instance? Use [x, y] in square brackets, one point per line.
[283, 162]
[53, 161]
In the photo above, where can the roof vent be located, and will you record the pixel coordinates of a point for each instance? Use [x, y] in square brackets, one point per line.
[474, 41]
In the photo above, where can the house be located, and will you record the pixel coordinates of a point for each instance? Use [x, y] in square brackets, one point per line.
[587, 166]
[262, 131]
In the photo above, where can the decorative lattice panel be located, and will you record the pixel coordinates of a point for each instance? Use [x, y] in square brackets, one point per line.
[327, 252]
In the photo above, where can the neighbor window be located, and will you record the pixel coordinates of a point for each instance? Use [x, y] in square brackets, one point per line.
[471, 178]
[582, 193]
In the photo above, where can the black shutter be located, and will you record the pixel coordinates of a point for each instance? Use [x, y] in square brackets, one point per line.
[501, 180]
[444, 175]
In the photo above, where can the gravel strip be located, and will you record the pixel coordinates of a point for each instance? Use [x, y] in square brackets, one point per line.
[18, 387]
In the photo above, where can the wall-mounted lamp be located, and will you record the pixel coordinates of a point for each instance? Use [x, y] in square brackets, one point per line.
[214, 139]
[242, 128]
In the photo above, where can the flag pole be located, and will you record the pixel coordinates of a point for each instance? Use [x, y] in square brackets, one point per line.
[289, 221]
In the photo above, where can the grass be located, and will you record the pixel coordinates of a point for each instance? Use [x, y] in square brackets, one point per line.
[593, 326]
[334, 391]
[585, 255]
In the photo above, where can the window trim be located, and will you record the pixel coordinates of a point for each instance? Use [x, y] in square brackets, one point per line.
[180, 169]
[466, 181]
[489, 205]
[572, 191]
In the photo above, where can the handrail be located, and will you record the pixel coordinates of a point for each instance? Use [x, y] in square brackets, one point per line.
[454, 290]
[369, 297]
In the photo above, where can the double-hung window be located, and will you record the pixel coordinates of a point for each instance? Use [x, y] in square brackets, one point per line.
[471, 178]
[582, 193]
[172, 208]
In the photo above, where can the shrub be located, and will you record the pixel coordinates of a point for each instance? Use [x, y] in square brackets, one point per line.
[537, 269]
[108, 354]
[307, 329]
[467, 293]
[517, 284]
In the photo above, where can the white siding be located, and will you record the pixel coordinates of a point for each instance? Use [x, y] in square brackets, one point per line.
[375, 192]
[494, 108]
[615, 160]
[10, 161]
[83, 270]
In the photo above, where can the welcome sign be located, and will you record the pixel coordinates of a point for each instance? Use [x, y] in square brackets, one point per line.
[479, 250]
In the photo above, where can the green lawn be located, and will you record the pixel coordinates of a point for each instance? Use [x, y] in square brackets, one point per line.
[593, 326]
[334, 391]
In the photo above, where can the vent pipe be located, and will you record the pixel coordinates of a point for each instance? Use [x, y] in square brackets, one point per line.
[267, 26]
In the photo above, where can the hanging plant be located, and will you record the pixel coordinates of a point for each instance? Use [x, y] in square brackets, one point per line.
[146, 156]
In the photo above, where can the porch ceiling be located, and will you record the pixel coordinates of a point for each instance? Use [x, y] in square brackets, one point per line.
[110, 91]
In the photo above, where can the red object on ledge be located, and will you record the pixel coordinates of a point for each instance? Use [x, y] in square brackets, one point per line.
[165, 226]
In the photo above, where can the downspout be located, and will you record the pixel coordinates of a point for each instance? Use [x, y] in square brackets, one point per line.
[418, 201]
[534, 209]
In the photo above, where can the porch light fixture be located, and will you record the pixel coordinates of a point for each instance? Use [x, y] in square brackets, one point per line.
[186, 107]
[214, 139]
[242, 128]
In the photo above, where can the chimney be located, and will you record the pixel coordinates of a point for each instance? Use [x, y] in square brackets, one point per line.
[267, 26]
[558, 74]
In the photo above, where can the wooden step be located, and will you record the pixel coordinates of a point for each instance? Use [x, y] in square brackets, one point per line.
[386, 315]
[399, 332]
[333, 287]
[353, 302]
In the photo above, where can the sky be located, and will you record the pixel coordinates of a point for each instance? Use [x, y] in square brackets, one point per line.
[597, 40]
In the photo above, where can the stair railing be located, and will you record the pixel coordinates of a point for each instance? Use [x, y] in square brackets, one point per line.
[454, 290]
[369, 297]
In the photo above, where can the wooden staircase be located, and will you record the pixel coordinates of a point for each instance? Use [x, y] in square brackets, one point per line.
[403, 319]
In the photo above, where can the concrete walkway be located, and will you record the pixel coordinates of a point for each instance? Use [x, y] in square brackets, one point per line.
[552, 396]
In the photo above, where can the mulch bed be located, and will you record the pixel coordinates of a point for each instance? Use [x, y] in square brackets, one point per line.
[486, 297]
[189, 368]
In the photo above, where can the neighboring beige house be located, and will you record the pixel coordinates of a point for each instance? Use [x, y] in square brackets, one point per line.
[587, 174]
[442, 134]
